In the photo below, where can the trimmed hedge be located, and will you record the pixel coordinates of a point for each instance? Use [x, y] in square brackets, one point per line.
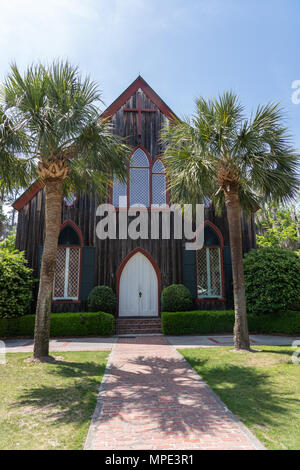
[62, 324]
[218, 321]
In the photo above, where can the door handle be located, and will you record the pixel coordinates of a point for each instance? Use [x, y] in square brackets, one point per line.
[140, 294]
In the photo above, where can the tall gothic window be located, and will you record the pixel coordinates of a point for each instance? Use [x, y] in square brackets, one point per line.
[119, 196]
[67, 271]
[146, 184]
[209, 266]
[158, 183]
[139, 179]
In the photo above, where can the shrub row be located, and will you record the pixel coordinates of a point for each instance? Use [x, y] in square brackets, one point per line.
[203, 322]
[62, 324]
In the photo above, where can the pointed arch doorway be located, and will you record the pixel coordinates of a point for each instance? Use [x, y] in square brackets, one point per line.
[138, 285]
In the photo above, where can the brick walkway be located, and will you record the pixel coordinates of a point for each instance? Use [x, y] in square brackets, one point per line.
[151, 399]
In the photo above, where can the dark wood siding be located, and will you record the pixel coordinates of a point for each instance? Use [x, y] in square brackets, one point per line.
[126, 125]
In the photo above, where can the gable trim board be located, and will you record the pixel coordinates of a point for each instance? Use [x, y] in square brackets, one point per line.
[138, 83]
[28, 195]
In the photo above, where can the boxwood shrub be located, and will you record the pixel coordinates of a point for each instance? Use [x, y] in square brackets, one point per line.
[62, 324]
[102, 299]
[208, 322]
[272, 278]
[176, 298]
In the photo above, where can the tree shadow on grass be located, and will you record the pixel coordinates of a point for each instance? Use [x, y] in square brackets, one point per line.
[73, 402]
[163, 393]
[248, 392]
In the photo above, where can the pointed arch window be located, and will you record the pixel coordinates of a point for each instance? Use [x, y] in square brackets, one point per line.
[139, 179]
[67, 270]
[119, 196]
[146, 184]
[158, 183]
[209, 266]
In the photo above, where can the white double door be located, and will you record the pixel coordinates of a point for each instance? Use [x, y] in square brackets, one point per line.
[138, 290]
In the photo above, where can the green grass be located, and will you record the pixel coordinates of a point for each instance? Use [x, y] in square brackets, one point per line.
[49, 406]
[262, 389]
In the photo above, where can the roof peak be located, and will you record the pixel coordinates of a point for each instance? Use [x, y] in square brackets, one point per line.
[138, 83]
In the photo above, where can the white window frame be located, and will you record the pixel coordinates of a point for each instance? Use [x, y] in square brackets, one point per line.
[66, 278]
[208, 278]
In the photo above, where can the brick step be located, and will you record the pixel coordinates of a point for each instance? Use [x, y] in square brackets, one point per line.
[125, 326]
[138, 333]
[139, 330]
[157, 325]
[139, 320]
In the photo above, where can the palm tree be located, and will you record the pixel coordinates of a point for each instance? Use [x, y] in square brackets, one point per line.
[15, 169]
[233, 160]
[73, 147]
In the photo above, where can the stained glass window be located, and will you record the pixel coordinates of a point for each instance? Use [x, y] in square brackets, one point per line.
[70, 200]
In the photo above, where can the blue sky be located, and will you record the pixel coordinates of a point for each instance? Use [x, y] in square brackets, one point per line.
[183, 48]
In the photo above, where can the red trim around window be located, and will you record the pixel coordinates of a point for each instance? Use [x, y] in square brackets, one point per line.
[149, 167]
[221, 246]
[151, 164]
[79, 233]
[160, 173]
[75, 227]
[155, 266]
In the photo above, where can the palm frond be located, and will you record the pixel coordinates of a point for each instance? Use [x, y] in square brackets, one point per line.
[258, 149]
[58, 111]
[15, 169]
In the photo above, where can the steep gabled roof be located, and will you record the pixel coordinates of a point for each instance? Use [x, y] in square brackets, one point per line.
[27, 195]
[139, 83]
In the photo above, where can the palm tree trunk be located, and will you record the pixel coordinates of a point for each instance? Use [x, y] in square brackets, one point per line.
[53, 203]
[241, 335]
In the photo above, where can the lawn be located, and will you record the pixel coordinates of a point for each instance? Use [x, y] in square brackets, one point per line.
[262, 389]
[49, 406]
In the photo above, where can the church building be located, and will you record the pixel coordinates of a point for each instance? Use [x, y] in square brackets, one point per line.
[136, 269]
